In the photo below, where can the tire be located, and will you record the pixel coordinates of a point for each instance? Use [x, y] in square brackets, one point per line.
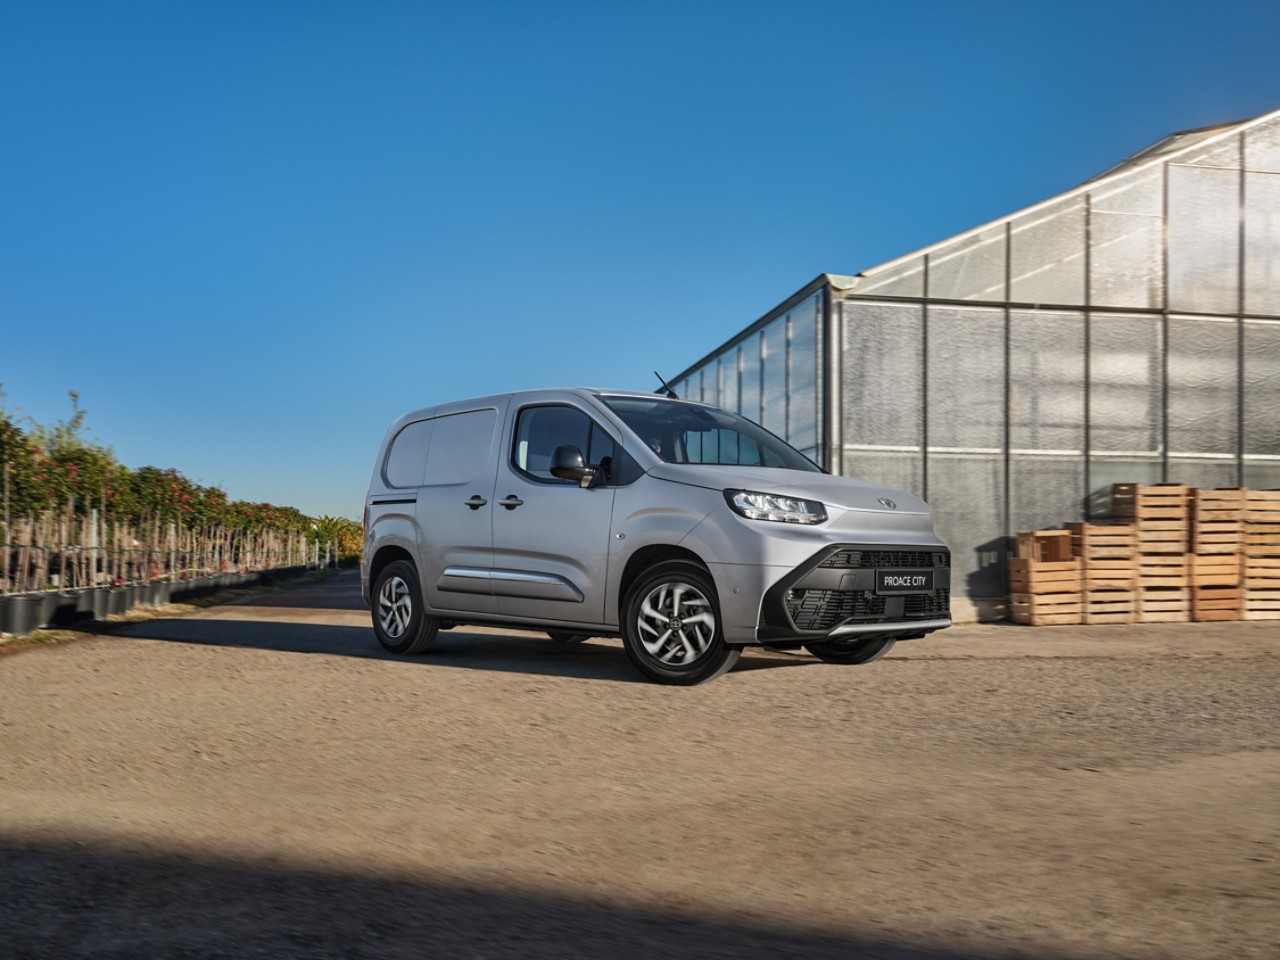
[855, 651]
[566, 636]
[694, 650]
[399, 618]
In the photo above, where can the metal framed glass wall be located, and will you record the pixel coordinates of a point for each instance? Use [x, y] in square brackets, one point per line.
[772, 374]
[1129, 331]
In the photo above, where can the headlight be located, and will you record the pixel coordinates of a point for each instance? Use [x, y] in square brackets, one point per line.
[774, 506]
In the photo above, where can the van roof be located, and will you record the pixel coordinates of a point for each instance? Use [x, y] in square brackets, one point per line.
[549, 392]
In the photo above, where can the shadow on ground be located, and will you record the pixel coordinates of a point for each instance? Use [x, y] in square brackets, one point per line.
[62, 900]
[283, 631]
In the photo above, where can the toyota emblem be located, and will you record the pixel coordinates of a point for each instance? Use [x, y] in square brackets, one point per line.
[886, 502]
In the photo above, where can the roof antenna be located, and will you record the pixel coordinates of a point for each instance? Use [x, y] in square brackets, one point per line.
[671, 394]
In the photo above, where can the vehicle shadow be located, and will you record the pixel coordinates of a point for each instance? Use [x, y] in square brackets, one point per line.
[596, 659]
[75, 898]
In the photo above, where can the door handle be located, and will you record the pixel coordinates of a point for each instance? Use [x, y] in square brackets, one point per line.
[511, 501]
[476, 502]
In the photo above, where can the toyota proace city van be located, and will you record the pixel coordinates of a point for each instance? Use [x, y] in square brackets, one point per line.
[689, 531]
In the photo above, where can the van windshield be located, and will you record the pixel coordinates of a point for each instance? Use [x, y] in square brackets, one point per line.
[683, 432]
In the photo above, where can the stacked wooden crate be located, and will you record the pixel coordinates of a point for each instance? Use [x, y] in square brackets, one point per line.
[1045, 580]
[1161, 518]
[1217, 535]
[1109, 568]
[1261, 560]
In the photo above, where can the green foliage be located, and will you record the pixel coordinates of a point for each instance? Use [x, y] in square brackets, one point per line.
[346, 535]
[57, 468]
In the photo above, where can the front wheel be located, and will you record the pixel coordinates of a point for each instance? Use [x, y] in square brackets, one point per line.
[671, 626]
[399, 617]
[855, 651]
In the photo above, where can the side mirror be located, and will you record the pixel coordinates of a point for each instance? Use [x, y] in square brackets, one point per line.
[567, 463]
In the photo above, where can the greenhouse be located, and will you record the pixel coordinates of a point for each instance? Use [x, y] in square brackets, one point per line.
[1125, 331]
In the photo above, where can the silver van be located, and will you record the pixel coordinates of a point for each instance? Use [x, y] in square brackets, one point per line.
[687, 530]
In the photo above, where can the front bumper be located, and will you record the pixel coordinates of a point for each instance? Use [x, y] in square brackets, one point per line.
[832, 594]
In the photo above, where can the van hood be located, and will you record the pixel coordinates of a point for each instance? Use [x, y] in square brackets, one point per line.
[844, 492]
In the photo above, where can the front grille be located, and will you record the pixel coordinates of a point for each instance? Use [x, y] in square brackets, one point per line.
[936, 604]
[824, 609]
[868, 559]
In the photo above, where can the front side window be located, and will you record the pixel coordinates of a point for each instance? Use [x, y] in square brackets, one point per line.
[539, 430]
[682, 432]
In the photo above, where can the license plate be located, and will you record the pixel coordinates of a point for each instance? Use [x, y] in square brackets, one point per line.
[894, 582]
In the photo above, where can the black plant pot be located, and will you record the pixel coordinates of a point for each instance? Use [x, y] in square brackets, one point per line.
[20, 615]
[58, 609]
[85, 604]
[46, 608]
[101, 601]
[117, 601]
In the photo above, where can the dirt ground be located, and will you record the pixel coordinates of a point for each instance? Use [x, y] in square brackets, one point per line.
[259, 780]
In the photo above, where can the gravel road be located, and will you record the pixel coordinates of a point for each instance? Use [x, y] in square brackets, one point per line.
[259, 780]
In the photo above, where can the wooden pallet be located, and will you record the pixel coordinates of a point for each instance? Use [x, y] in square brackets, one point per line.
[1098, 541]
[1111, 606]
[1164, 606]
[1049, 546]
[1217, 603]
[1046, 610]
[1161, 501]
[1109, 573]
[1044, 576]
[1163, 571]
[1214, 570]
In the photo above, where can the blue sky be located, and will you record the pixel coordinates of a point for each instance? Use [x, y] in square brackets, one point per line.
[250, 234]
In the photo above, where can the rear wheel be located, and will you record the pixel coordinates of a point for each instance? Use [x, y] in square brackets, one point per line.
[399, 619]
[671, 625]
[854, 651]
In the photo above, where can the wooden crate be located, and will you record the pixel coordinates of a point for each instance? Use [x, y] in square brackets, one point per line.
[1044, 576]
[1217, 603]
[1262, 506]
[1214, 570]
[1098, 541]
[1222, 538]
[1048, 546]
[1164, 606]
[1111, 606]
[1261, 539]
[1262, 573]
[1109, 573]
[1046, 610]
[1165, 571]
[1162, 501]
[1261, 604]
[1217, 506]
[1162, 536]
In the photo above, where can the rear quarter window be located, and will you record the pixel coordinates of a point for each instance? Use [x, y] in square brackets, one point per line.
[461, 445]
[407, 457]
